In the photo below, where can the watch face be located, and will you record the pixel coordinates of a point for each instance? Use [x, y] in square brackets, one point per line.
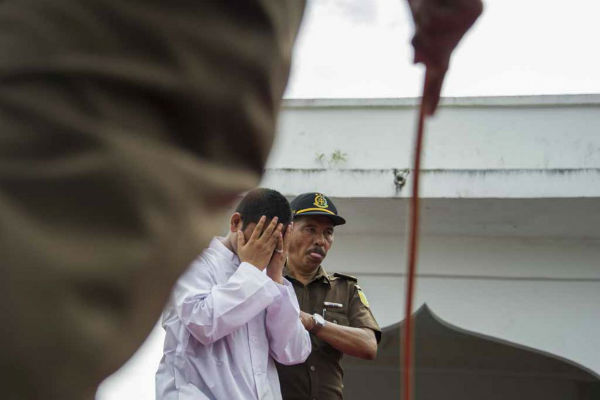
[319, 319]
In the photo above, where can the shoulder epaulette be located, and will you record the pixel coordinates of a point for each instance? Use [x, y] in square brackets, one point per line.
[345, 276]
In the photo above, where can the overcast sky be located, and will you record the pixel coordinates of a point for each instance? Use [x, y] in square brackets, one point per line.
[360, 48]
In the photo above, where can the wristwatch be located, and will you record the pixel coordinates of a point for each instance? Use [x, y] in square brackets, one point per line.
[319, 322]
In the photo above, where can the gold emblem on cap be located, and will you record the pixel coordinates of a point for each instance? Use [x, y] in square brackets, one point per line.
[320, 201]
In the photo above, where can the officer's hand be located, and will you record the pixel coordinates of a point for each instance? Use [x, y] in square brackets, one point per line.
[439, 26]
[259, 248]
[307, 320]
[275, 267]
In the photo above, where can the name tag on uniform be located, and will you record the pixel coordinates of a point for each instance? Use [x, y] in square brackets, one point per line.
[329, 305]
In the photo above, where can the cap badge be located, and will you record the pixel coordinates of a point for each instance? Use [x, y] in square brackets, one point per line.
[320, 201]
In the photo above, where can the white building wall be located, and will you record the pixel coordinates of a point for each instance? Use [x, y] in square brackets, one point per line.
[524, 132]
[511, 217]
[537, 292]
[530, 146]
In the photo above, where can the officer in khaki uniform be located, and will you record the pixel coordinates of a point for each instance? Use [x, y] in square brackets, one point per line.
[334, 308]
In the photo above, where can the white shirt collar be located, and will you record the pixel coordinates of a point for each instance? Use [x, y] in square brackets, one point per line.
[217, 244]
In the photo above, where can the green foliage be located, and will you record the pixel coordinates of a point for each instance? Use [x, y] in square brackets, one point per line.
[338, 157]
[335, 158]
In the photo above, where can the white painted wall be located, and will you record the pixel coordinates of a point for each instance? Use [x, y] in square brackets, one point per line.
[511, 220]
[463, 256]
[528, 132]
[507, 147]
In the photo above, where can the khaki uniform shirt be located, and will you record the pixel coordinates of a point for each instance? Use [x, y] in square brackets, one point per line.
[340, 300]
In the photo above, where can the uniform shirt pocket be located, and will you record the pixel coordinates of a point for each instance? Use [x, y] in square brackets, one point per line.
[337, 317]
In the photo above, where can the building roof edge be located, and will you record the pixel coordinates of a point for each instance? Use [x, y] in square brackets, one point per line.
[590, 99]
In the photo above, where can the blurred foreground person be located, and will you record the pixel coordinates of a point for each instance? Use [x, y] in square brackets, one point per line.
[127, 128]
[232, 313]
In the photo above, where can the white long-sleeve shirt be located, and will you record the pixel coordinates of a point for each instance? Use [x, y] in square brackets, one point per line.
[225, 324]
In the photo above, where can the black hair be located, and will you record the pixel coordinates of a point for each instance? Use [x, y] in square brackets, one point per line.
[268, 202]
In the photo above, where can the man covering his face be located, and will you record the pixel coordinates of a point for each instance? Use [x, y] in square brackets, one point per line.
[232, 313]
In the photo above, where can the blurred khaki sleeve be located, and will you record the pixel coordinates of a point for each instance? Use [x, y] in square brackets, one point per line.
[126, 130]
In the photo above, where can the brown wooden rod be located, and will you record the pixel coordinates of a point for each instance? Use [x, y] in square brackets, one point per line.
[408, 363]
